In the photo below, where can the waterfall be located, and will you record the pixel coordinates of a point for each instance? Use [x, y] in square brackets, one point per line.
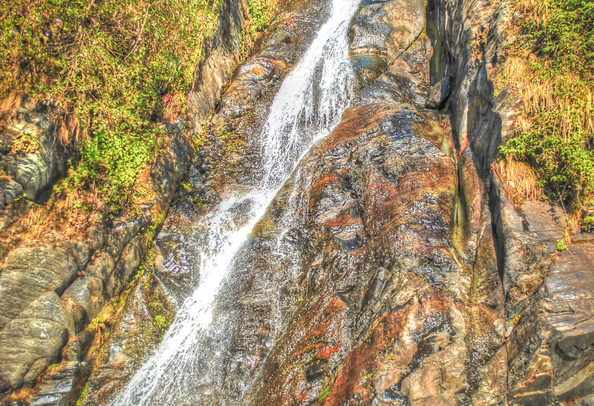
[307, 107]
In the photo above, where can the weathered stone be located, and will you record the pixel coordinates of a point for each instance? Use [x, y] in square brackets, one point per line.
[221, 56]
[547, 222]
[129, 343]
[78, 250]
[38, 169]
[96, 238]
[439, 94]
[32, 341]
[121, 236]
[381, 32]
[86, 297]
[29, 273]
[9, 190]
[552, 347]
[101, 267]
[527, 256]
[128, 262]
[53, 391]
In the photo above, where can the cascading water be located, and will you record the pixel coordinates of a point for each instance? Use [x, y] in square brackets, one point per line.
[307, 107]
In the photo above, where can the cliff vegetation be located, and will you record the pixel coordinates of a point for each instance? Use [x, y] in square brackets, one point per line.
[113, 72]
[551, 69]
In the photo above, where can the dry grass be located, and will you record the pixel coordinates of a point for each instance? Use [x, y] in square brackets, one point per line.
[519, 180]
[9, 105]
[537, 94]
[547, 68]
[538, 9]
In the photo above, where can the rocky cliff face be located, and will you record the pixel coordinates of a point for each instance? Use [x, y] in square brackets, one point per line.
[54, 282]
[391, 268]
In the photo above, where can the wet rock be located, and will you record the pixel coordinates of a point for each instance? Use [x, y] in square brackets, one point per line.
[439, 94]
[53, 391]
[130, 341]
[377, 197]
[381, 32]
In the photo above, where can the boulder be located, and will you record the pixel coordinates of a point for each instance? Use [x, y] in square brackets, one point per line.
[439, 94]
[381, 32]
[551, 349]
[32, 341]
[29, 273]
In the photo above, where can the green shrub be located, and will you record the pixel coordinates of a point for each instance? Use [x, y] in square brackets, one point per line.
[161, 323]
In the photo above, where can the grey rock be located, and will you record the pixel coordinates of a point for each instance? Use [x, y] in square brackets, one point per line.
[29, 273]
[439, 94]
[128, 262]
[55, 390]
[40, 169]
[121, 235]
[96, 238]
[86, 298]
[101, 267]
[32, 341]
[9, 191]
[78, 250]
[381, 32]
[552, 347]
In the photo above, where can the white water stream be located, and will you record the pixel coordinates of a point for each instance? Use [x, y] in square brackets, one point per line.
[307, 107]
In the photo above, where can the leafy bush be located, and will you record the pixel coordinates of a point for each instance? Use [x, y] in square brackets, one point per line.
[553, 73]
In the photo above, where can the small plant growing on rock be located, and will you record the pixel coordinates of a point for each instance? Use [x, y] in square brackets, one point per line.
[187, 186]
[561, 245]
[160, 323]
[588, 222]
[25, 143]
[325, 393]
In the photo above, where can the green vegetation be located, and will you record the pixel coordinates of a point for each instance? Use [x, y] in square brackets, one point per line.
[325, 393]
[84, 393]
[161, 323]
[25, 143]
[551, 69]
[561, 245]
[113, 72]
[261, 14]
[113, 69]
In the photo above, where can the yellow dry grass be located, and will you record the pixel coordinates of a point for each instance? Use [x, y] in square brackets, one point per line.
[519, 180]
[9, 105]
[536, 93]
